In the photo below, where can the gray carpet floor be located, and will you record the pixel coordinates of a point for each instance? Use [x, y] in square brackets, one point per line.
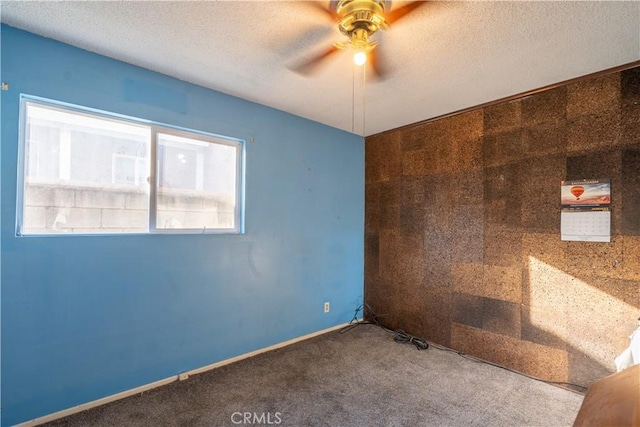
[359, 378]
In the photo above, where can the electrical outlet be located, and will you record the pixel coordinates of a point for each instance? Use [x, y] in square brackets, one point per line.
[326, 307]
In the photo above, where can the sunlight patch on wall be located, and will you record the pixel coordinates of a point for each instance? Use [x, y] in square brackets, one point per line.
[586, 318]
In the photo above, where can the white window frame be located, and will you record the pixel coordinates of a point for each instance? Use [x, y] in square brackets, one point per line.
[155, 129]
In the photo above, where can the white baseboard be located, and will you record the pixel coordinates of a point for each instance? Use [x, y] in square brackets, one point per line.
[183, 375]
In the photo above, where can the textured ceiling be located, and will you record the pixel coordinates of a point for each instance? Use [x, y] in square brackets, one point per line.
[445, 57]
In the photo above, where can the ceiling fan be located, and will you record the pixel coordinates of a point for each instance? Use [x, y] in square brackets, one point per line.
[358, 20]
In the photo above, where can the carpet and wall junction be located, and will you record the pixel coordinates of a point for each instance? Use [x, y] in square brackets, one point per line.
[359, 378]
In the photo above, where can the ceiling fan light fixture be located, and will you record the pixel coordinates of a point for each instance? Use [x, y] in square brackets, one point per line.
[360, 57]
[359, 20]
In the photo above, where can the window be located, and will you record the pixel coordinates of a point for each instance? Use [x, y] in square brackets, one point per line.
[89, 173]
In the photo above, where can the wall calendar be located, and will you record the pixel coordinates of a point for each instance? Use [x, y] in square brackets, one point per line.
[586, 210]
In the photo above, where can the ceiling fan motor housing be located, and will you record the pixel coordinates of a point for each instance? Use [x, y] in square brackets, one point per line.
[359, 19]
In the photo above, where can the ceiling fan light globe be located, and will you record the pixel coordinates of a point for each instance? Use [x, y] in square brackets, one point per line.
[360, 58]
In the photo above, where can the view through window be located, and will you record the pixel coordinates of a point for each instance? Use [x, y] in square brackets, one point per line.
[87, 173]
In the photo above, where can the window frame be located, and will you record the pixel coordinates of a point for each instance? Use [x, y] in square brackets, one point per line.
[155, 128]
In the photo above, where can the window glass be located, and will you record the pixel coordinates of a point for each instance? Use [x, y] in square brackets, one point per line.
[75, 180]
[91, 174]
[197, 183]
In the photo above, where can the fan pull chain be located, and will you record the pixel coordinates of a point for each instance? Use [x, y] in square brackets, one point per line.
[364, 98]
[353, 99]
[362, 92]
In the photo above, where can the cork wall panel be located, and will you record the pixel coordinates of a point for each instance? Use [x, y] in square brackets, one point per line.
[546, 107]
[540, 211]
[593, 96]
[630, 87]
[545, 139]
[630, 94]
[502, 117]
[463, 229]
[630, 170]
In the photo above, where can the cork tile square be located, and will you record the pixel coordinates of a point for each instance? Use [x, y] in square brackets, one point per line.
[544, 326]
[503, 214]
[371, 255]
[503, 147]
[467, 309]
[544, 139]
[412, 190]
[412, 219]
[631, 258]
[437, 331]
[388, 255]
[483, 344]
[439, 193]
[544, 247]
[435, 134]
[466, 154]
[503, 283]
[383, 159]
[540, 193]
[546, 288]
[545, 107]
[467, 234]
[502, 248]
[412, 138]
[402, 258]
[413, 163]
[467, 187]
[467, 126]
[372, 207]
[593, 96]
[630, 86]
[601, 130]
[389, 217]
[390, 192]
[467, 278]
[437, 268]
[629, 192]
[415, 299]
[438, 302]
[540, 361]
[631, 125]
[502, 116]
[502, 182]
[501, 317]
[438, 315]
[604, 163]
[595, 259]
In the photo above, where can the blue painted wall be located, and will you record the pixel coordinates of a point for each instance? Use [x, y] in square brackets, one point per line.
[87, 317]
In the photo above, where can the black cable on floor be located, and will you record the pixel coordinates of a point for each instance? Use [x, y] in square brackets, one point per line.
[355, 322]
[404, 338]
[400, 336]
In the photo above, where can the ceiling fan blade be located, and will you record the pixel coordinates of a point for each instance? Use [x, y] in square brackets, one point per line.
[330, 12]
[378, 67]
[311, 66]
[303, 40]
[399, 13]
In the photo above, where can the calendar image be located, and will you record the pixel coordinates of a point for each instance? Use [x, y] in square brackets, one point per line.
[586, 210]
